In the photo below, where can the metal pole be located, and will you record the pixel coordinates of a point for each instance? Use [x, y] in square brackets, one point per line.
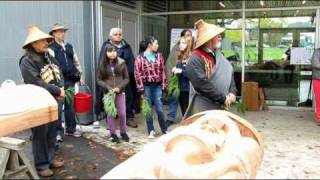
[139, 23]
[231, 10]
[93, 87]
[317, 38]
[243, 40]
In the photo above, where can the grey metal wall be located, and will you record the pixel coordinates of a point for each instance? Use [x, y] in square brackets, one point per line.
[15, 17]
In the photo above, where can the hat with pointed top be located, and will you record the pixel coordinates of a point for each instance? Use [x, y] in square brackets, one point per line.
[205, 32]
[35, 34]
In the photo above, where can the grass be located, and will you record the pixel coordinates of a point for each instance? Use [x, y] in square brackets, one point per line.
[251, 53]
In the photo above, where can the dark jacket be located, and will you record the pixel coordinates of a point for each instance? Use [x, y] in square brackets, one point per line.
[183, 79]
[117, 78]
[65, 58]
[124, 52]
[42, 70]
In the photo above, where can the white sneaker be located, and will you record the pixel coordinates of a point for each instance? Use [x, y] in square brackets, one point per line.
[59, 138]
[96, 123]
[152, 134]
[76, 133]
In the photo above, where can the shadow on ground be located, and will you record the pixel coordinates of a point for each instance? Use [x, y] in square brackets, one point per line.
[84, 159]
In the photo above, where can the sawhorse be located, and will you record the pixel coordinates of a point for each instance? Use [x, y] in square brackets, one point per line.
[13, 161]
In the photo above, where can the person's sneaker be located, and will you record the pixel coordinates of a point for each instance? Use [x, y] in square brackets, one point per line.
[131, 123]
[57, 164]
[125, 137]
[45, 173]
[114, 138]
[152, 134]
[169, 123]
[76, 133]
[96, 123]
[59, 138]
[165, 132]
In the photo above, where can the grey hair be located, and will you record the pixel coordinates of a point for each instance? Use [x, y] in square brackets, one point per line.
[114, 30]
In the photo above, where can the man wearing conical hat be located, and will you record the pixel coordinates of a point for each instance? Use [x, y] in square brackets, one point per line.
[209, 72]
[39, 68]
[71, 69]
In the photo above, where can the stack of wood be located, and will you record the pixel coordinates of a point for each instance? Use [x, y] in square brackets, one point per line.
[24, 107]
[210, 144]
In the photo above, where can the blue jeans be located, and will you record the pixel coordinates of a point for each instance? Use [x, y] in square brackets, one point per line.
[153, 94]
[173, 106]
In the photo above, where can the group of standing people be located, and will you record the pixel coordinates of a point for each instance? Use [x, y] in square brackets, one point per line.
[144, 77]
[205, 78]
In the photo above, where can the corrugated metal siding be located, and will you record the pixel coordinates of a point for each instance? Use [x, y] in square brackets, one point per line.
[15, 17]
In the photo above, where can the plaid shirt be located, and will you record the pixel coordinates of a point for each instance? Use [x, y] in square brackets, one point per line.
[147, 72]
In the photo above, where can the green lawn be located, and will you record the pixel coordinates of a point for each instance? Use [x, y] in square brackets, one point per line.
[251, 53]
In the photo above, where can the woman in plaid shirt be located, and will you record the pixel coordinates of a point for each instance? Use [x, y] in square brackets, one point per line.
[151, 80]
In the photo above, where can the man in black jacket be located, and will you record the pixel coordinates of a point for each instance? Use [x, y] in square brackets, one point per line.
[209, 72]
[124, 51]
[39, 68]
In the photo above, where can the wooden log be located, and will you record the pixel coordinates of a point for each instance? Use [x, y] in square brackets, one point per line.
[209, 145]
[24, 107]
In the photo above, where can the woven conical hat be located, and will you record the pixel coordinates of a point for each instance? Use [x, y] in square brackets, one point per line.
[56, 27]
[205, 32]
[35, 34]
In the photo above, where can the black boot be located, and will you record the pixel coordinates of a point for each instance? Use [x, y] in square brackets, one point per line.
[114, 138]
[125, 137]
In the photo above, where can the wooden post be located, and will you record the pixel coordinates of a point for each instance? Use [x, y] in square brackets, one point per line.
[4, 156]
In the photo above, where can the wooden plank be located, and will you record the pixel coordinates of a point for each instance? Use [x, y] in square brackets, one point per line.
[25, 106]
[27, 120]
[4, 156]
[31, 171]
[12, 143]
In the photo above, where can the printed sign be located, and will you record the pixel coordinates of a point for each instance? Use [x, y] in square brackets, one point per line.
[301, 55]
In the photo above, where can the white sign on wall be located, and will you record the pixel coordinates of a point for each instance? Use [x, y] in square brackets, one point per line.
[175, 35]
[301, 55]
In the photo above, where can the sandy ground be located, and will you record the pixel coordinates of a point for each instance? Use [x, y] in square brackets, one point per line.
[291, 149]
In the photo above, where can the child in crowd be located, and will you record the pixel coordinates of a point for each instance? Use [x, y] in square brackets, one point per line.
[113, 76]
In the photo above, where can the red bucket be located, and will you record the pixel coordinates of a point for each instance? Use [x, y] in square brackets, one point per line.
[82, 102]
